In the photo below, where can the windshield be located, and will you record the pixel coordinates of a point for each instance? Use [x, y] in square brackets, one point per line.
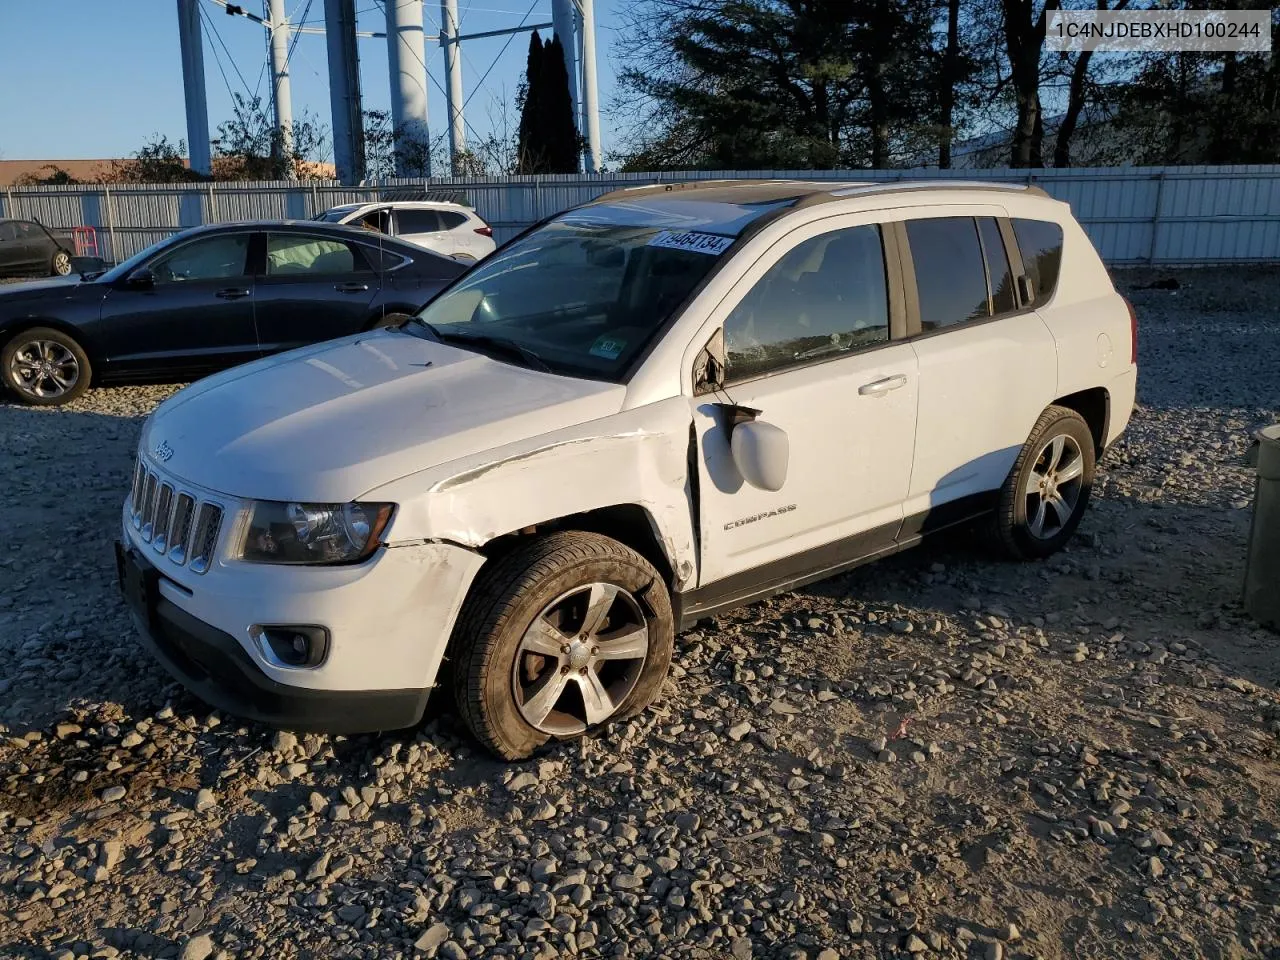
[126, 267]
[335, 215]
[580, 298]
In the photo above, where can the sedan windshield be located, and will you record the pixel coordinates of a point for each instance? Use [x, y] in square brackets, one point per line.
[335, 215]
[126, 267]
[576, 297]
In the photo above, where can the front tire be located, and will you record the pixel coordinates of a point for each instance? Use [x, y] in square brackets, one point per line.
[44, 367]
[557, 639]
[61, 265]
[1048, 489]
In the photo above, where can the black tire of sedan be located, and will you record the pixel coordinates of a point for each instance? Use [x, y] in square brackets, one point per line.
[1048, 489]
[558, 638]
[44, 367]
[61, 265]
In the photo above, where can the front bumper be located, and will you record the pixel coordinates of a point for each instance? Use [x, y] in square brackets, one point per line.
[217, 669]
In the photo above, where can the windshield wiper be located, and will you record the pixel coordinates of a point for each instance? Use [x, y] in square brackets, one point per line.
[501, 344]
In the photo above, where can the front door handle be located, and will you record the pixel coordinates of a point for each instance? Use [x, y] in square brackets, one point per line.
[882, 386]
[232, 293]
[351, 287]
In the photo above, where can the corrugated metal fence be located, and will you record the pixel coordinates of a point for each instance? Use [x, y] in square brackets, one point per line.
[1135, 215]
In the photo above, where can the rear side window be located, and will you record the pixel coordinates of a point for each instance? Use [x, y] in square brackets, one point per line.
[951, 280]
[417, 221]
[450, 219]
[999, 273]
[292, 255]
[1040, 243]
[826, 296]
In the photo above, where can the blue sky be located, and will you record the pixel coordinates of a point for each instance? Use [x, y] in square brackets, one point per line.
[97, 78]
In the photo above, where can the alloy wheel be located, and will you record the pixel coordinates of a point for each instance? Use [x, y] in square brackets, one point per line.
[61, 264]
[1053, 487]
[44, 369]
[580, 659]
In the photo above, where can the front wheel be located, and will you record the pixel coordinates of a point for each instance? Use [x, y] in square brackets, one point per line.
[61, 265]
[1048, 489]
[44, 367]
[557, 639]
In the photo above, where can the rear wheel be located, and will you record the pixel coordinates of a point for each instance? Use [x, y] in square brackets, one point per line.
[44, 367]
[559, 638]
[1048, 489]
[61, 265]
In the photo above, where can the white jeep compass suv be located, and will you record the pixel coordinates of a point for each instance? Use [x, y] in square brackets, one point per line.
[651, 408]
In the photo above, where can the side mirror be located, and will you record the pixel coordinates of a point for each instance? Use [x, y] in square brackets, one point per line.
[142, 279]
[761, 452]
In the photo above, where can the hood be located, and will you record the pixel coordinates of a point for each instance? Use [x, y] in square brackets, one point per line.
[330, 422]
[54, 287]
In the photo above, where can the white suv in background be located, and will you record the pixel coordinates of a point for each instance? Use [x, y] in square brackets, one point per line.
[446, 228]
[647, 410]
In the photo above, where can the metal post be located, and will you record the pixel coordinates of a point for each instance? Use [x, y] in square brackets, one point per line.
[191, 44]
[111, 223]
[1155, 218]
[590, 92]
[344, 90]
[213, 209]
[562, 25]
[453, 87]
[281, 95]
[405, 60]
[581, 113]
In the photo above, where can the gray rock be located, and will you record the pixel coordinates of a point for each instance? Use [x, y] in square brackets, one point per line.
[197, 948]
[112, 794]
[432, 938]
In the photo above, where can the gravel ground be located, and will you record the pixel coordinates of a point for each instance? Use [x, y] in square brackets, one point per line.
[939, 755]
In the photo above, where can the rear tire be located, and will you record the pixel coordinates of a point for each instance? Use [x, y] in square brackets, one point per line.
[61, 265]
[44, 367]
[559, 638]
[1046, 493]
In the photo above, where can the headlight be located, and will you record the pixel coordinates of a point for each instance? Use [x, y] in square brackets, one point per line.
[313, 532]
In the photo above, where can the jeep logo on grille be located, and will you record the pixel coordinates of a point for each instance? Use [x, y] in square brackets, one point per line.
[163, 451]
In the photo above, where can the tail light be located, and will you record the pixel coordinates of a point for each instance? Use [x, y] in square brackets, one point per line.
[1133, 331]
[485, 231]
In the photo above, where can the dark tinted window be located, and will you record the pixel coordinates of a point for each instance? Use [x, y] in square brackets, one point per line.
[824, 297]
[950, 278]
[376, 221]
[8, 231]
[210, 258]
[1040, 243]
[451, 219]
[417, 221]
[999, 272]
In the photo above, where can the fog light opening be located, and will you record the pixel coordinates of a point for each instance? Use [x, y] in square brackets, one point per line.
[291, 646]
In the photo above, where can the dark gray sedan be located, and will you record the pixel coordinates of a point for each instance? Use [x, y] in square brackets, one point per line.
[29, 249]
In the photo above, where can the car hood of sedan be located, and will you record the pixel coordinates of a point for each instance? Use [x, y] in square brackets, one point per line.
[53, 288]
[330, 422]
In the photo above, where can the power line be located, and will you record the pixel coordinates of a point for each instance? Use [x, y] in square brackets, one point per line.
[225, 48]
[494, 62]
[217, 59]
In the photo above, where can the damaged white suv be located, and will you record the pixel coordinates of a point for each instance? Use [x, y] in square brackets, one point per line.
[651, 408]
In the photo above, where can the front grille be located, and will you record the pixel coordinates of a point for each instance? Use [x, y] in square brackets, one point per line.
[206, 538]
[178, 524]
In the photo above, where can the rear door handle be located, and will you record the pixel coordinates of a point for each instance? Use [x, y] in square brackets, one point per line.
[351, 287]
[882, 386]
[232, 293]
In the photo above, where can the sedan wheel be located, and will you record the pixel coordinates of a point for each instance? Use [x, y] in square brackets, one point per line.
[1053, 487]
[580, 659]
[44, 367]
[61, 263]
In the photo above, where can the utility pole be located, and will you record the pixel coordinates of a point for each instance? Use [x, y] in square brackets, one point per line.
[453, 86]
[191, 43]
[590, 93]
[344, 90]
[562, 25]
[405, 58]
[281, 95]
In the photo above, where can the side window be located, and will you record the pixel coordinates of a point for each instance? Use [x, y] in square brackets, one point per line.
[27, 231]
[451, 219]
[376, 221]
[212, 258]
[291, 255]
[8, 231]
[950, 278]
[417, 221]
[826, 296]
[1040, 243]
[999, 273]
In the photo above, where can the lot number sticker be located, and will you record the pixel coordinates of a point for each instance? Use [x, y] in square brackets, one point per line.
[708, 243]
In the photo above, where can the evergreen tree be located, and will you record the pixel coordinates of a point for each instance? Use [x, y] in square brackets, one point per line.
[530, 151]
[562, 141]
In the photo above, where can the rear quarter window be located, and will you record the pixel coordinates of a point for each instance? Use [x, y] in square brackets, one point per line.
[1040, 243]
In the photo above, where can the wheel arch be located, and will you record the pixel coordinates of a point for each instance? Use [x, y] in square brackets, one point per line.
[11, 328]
[1094, 405]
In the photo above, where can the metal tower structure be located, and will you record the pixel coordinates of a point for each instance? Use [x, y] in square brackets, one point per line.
[191, 44]
[572, 20]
